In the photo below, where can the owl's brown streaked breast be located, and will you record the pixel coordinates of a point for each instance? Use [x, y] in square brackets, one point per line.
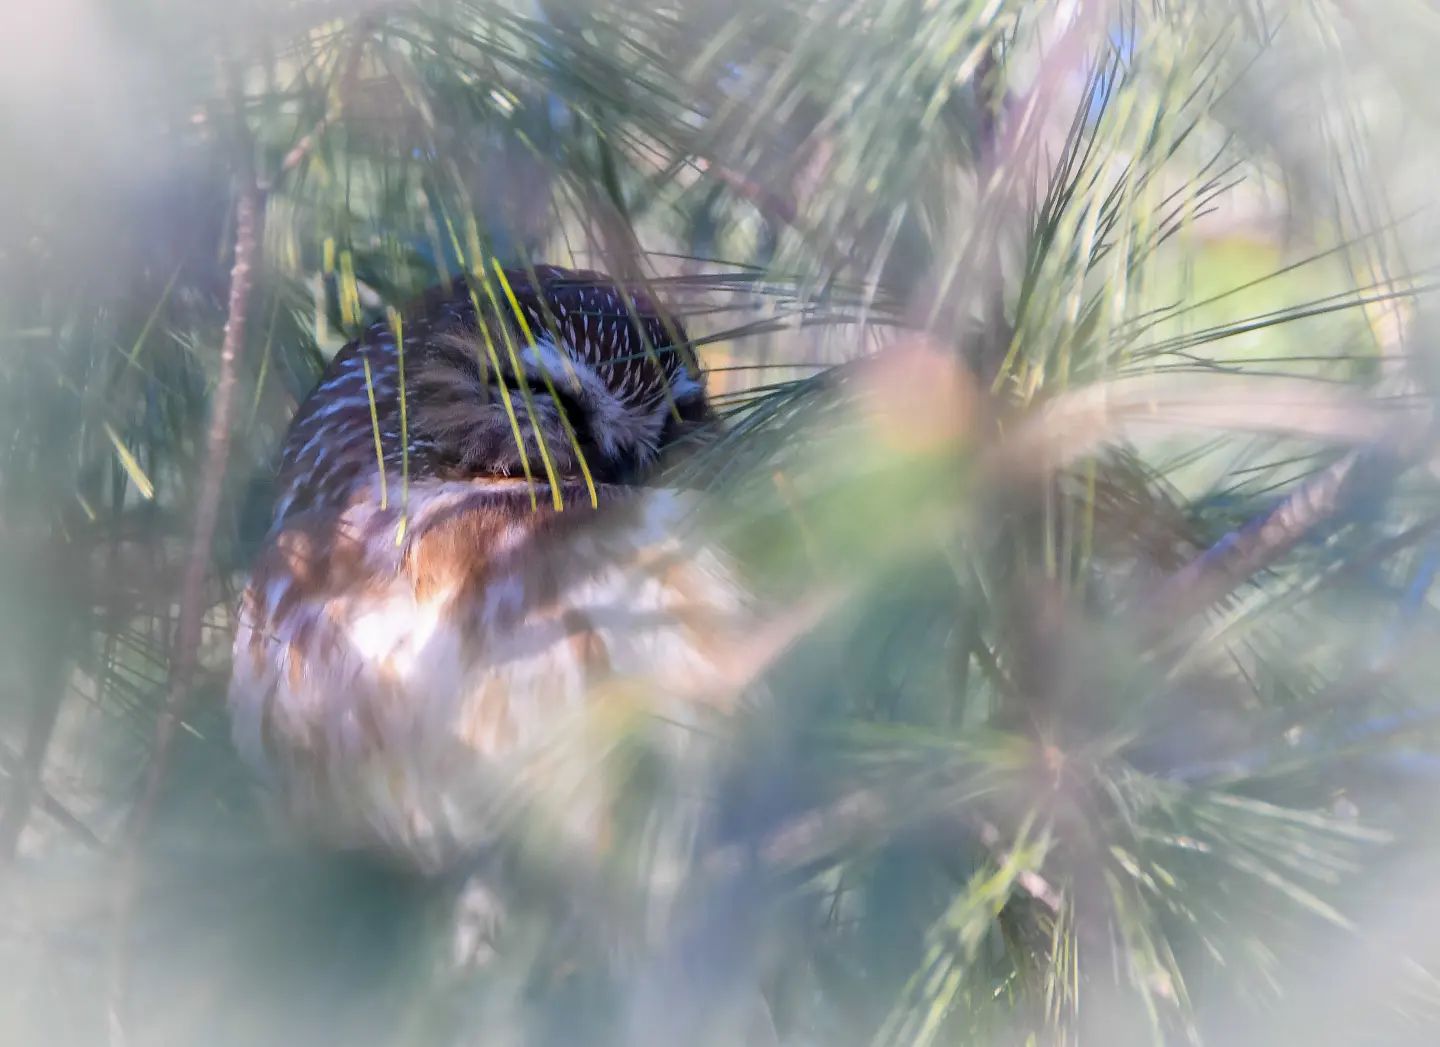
[425, 643]
[393, 692]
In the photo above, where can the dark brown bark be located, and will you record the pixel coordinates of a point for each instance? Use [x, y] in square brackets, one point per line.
[1241, 554]
[1264, 541]
[185, 647]
[184, 653]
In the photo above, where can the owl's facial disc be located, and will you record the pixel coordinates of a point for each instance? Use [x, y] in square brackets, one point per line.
[620, 431]
[577, 409]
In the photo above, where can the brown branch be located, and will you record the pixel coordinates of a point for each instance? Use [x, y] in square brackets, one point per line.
[776, 206]
[302, 149]
[249, 217]
[862, 814]
[1226, 565]
[184, 654]
[1243, 553]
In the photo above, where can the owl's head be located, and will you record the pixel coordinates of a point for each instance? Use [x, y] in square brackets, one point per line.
[575, 370]
[554, 372]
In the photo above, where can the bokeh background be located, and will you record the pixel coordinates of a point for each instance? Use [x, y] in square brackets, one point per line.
[1078, 365]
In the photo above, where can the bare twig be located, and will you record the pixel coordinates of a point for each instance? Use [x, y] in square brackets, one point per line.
[1242, 553]
[306, 145]
[1030, 881]
[862, 813]
[184, 654]
[249, 217]
[1261, 542]
[778, 207]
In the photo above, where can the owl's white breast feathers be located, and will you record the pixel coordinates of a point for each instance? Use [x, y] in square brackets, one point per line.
[396, 711]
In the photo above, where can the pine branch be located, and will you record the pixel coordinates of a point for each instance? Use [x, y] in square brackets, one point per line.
[1242, 553]
[184, 654]
[302, 149]
[1264, 540]
[249, 218]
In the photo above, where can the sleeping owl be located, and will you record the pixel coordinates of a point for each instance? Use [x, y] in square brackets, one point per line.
[468, 575]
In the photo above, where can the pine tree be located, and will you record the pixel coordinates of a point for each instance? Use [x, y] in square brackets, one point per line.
[1076, 368]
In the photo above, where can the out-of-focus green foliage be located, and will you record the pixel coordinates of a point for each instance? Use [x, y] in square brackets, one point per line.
[1014, 308]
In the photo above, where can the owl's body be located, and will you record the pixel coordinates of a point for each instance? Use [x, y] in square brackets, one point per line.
[426, 638]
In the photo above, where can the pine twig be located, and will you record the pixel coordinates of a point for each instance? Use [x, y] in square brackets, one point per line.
[249, 218]
[860, 814]
[302, 149]
[1242, 553]
[184, 655]
[1262, 541]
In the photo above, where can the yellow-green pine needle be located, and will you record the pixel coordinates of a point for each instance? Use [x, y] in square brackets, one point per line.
[494, 364]
[375, 428]
[349, 291]
[398, 331]
[144, 334]
[131, 465]
[550, 387]
[557, 499]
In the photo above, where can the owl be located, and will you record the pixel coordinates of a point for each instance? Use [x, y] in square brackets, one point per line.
[467, 576]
